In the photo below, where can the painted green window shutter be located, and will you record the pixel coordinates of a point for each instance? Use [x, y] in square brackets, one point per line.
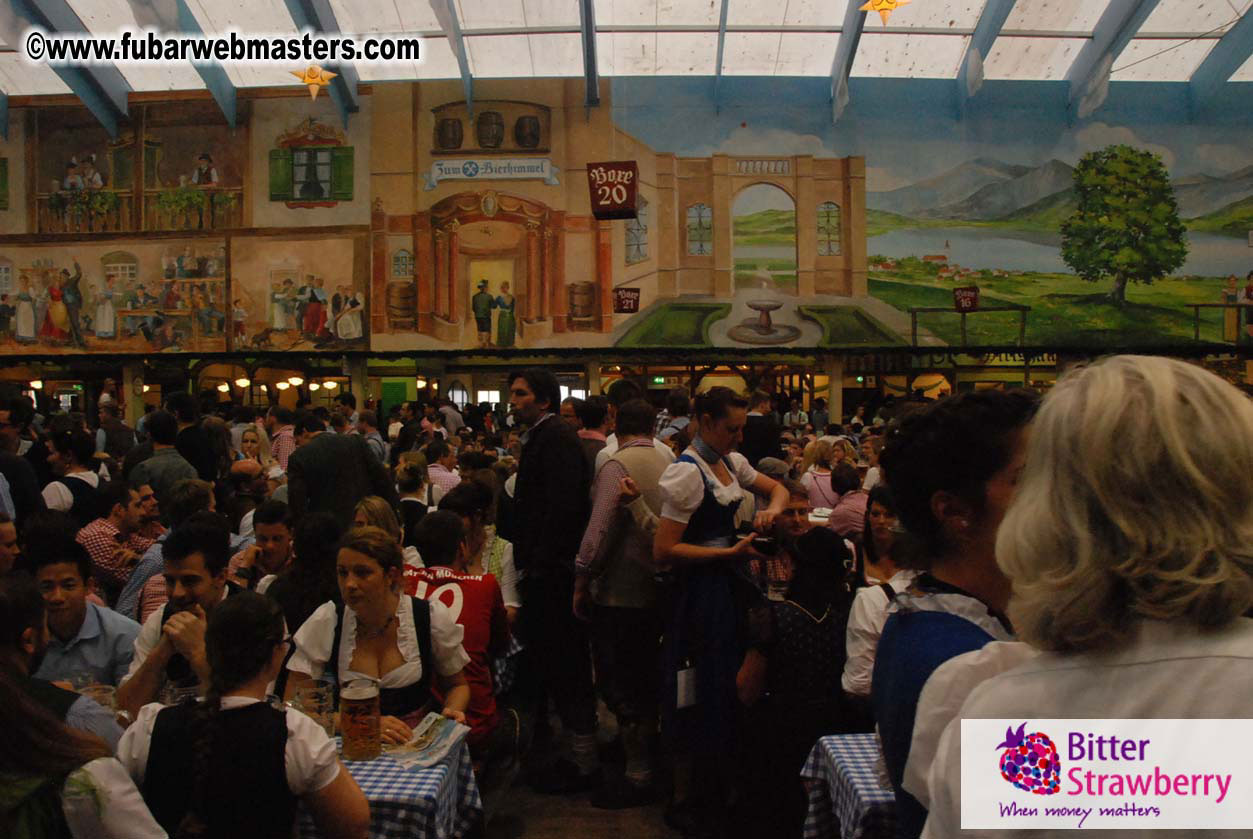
[280, 175]
[4, 183]
[341, 173]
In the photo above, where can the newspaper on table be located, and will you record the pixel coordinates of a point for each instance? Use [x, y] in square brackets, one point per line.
[433, 740]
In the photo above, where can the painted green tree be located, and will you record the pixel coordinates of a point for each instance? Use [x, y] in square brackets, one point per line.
[1126, 225]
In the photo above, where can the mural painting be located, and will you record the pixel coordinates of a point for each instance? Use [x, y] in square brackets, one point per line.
[137, 297]
[996, 201]
[425, 225]
[300, 292]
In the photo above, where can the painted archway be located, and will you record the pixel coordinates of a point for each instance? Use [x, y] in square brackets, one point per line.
[763, 238]
[488, 235]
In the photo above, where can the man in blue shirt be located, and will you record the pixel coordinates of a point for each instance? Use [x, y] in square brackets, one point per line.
[23, 640]
[86, 639]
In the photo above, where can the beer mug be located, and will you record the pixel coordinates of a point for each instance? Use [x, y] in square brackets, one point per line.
[359, 719]
[317, 702]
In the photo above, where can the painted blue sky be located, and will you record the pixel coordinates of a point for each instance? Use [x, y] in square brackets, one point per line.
[908, 130]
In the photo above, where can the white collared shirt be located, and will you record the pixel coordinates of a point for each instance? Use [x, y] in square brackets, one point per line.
[311, 759]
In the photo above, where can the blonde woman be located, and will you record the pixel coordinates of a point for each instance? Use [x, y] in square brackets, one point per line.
[374, 511]
[1129, 546]
[816, 477]
[254, 444]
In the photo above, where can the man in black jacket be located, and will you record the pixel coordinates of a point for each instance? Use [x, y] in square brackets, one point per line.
[330, 473]
[761, 432]
[551, 507]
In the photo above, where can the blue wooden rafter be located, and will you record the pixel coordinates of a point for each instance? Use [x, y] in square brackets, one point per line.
[1119, 23]
[845, 52]
[318, 16]
[1227, 56]
[591, 75]
[211, 72]
[100, 86]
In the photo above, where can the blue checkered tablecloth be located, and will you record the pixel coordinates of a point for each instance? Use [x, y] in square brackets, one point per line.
[846, 796]
[441, 802]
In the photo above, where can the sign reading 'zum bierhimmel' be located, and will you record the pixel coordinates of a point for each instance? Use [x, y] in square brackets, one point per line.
[491, 169]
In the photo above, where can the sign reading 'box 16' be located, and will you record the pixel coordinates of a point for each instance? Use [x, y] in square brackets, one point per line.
[614, 188]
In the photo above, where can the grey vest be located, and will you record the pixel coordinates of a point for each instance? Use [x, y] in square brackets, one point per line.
[626, 554]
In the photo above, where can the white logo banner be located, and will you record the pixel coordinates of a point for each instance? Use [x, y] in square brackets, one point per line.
[491, 169]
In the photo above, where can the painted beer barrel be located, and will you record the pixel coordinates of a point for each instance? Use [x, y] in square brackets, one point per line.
[526, 132]
[448, 134]
[402, 303]
[582, 300]
[490, 129]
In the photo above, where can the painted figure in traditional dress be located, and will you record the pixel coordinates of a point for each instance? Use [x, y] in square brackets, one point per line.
[204, 174]
[283, 306]
[348, 325]
[25, 326]
[482, 304]
[239, 316]
[315, 307]
[72, 294]
[56, 325]
[506, 325]
[89, 174]
[106, 316]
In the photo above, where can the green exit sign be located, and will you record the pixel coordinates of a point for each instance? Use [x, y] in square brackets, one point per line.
[659, 380]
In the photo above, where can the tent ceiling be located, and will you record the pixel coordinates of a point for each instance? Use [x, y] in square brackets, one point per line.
[1039, 40]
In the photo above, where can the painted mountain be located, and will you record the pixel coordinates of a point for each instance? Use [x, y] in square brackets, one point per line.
[1039, 198]
[950, 187]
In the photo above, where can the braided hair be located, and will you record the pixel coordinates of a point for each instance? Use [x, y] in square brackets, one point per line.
[239, 642]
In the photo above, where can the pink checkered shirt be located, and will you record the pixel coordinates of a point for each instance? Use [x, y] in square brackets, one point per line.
[100, 538]
[283, 445]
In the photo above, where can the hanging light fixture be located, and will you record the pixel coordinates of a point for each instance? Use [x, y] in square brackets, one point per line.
[224, 388]
[36, 384]
[295, 381]
[314, 386]
[242, 381]
[265, 389]
[331, 385]
[282, 385]
[147, 388]
[421, 381]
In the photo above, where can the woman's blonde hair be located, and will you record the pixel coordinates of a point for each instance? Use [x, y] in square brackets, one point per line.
[1135, 503]
[845, 451]
[265, 450]
[378, 513]
[817, 453]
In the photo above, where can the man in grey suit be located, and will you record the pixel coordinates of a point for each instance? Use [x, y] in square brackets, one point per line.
[330, 473]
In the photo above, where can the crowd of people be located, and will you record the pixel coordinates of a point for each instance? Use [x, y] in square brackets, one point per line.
[728, 577]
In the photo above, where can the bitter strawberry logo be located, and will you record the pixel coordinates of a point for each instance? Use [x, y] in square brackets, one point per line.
[1030, 762]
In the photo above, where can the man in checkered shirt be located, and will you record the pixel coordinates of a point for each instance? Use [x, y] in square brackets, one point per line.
[114, 542]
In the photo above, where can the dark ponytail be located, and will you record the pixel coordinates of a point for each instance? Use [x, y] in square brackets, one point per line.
[242, 633]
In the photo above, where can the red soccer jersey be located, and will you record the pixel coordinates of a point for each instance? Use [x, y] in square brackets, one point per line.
[477, 605]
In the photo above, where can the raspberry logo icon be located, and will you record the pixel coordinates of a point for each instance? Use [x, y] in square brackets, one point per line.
[1030, 761]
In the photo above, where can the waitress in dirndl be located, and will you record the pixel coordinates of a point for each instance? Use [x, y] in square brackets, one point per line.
[706, 636]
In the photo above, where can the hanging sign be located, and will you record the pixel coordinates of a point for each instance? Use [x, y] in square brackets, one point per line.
[966, 298]
[491, 169]
[613, 188]
[626, 301]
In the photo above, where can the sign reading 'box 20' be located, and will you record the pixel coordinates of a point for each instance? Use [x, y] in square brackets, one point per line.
[613, 188]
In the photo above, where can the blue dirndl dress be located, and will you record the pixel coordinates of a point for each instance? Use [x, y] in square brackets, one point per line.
[706, 632]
